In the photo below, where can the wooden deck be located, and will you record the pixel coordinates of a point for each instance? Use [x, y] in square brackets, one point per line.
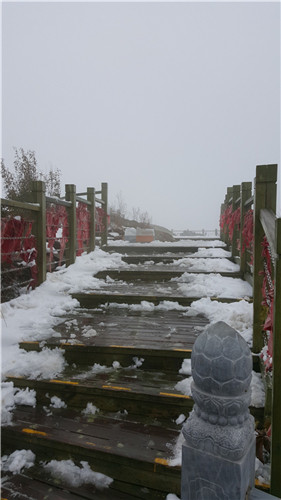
[132, 435]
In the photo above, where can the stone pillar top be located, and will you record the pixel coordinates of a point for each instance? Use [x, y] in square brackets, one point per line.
[221, 364]
[221, 361]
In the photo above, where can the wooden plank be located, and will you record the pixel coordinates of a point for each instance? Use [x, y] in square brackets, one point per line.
[235, 201]
[160, 401]
[275, 487]
[92, 210]
[156, 275]
[20, 204]
[70, 195]
[125, 453]
[150, 250]
[142, 259]
[58, 201]
[91, 300]
[104, 197]
[37, 483]
[23, 488]
[246, 189]
[39, 196]
[264, 197]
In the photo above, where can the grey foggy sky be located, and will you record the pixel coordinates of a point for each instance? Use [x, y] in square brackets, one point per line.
[169, 103]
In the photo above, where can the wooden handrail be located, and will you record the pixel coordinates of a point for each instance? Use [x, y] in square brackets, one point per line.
[81, 200]
[58, 201]
[249, 202]
[21, 204]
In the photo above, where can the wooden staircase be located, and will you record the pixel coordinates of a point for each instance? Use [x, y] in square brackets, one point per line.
[127, 367]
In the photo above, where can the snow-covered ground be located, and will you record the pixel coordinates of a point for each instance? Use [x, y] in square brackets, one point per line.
[34, 315]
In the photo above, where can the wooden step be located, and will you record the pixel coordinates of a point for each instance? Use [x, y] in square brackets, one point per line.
[137, 391]
[156, 259]
[150, 395]
[159, 275]
[162, 338]
[126, 451]
[168, 359]
[184, 250]
[94, 299]
[37, 484]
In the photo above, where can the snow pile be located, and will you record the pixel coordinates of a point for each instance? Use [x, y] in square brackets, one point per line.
[35, 313]
[208, 265]
[171, 496]
[45, 364]
[177, 452]
[90, 409]
[257, 391]
[186, 367]
[72, 475]
[262, 472]
[212, 252]
[17, 461]
[180, 419]
[11, 396]
[89, 332]
[57, 403]
[137, 362]
[97, 368]
[238, 315]
[37, 310]
[165, 305]
[212, 285]
[184, 386]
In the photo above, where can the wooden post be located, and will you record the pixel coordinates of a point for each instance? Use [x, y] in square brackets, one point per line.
[70, 195]
[245, 194]
[229, 196]
[222, 235]
[235, 196]
[104, 197]
[39, 196]
[264, 197]
[275, 486]
[92, 209]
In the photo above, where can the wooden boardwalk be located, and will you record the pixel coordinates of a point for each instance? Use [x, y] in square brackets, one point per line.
[125, 361]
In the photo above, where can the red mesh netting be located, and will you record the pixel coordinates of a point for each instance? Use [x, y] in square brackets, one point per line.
[19, 245]
[56, 231]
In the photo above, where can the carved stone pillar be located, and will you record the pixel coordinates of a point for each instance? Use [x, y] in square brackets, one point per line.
[218, 459]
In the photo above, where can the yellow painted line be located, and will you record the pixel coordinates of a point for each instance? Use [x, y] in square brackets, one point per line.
[29, 342]
[263, 485]
[94, 444]
[14, 376]
[32, 431]
[183, 350]
[174, 395]
[161, 461]
[70, 343]
[116, 388]
[63, 382]
[124, 346]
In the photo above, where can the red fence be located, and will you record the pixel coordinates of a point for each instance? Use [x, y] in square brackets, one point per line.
[258, 232]
[60, 230]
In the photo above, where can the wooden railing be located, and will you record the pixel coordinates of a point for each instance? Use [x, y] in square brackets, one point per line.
[43, 210]
[259, 210]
